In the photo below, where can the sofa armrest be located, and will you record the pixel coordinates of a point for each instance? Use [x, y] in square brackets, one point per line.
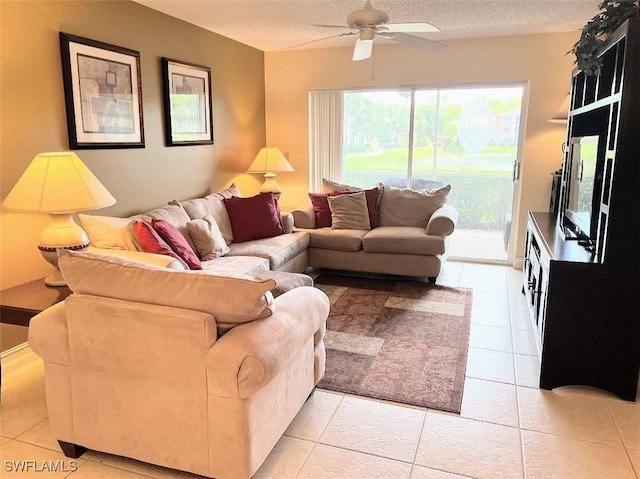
[443, 221]
[250, 355]
[287, 223]
[304, 217]
[48, 336]
[140, 256]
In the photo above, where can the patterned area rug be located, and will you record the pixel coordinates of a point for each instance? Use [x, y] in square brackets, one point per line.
[403, 341]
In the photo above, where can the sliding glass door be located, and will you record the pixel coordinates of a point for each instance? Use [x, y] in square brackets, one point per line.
[421, 138]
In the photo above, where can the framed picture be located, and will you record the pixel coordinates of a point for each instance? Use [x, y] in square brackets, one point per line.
[103, 94]
[187, 103]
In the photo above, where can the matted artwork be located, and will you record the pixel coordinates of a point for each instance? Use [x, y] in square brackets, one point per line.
[103, 94]
[187, 103]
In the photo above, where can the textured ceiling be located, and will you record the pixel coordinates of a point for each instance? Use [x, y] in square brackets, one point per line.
[279, 24]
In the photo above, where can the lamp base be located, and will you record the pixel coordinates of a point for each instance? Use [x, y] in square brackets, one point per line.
[62, 233]
[55, 280]
[270, 185]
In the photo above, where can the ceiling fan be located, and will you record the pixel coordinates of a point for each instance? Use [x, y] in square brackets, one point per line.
[369, 23]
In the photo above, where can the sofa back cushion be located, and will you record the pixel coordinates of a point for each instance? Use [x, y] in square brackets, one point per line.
[213, 204]
[230, 300]
[406, 207]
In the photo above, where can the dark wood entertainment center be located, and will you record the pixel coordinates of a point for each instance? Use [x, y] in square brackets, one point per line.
[585, 301]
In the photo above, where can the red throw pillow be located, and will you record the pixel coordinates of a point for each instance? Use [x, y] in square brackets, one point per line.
[372, 200]
[152, 243]
[320, 205]
[178, 243]
[254, 218]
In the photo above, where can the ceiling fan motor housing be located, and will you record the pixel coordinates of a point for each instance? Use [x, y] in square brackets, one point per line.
[368, 17]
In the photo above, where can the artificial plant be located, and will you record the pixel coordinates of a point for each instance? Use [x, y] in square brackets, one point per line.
[613, 13]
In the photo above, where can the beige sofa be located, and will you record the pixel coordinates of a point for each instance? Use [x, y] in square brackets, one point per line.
[411, 239]
[115, 236]
[182, 369]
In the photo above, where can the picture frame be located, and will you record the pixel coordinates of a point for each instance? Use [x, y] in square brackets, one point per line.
[188, 111]
[103, 94]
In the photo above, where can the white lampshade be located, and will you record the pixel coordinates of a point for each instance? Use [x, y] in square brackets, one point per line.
[562, 114]
[59, 184]
[267, 161]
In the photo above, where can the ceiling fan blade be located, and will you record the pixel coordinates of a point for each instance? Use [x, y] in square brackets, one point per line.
[411, 28]
[363, 50]
[321, 39]
[418, 42]
[330, 26]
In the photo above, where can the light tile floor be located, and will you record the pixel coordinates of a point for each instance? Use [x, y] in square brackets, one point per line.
[507, 428]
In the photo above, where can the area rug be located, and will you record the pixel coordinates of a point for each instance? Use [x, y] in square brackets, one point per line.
[403, 341]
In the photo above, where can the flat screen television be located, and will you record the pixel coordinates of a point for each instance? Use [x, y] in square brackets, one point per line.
[584, 187]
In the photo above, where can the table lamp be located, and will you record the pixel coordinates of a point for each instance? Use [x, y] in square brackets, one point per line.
[562, 114]
[268, 161]
[59, 184]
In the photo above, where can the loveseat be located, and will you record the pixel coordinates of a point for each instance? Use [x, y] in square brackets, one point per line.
[183, 369]
[385, 229]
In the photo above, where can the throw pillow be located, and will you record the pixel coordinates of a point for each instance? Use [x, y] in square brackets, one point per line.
[152, 242]
[178, 243]
[173, 214]
[321, 209]
[349, 211]
[405, 207]
[231, 301]
[254, 218]
[207, 237]
[110, 232]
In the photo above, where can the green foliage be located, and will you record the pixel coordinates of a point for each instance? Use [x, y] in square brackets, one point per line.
[613, 14]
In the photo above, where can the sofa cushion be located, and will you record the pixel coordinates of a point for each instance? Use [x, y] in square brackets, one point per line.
[402, 239]
[213, 204]
[320, 204]
[110, 232]
[231, 301]
[349, 211]
[329, 186]
[284, 281]
[235, 265]
[152, 242]
[208, 239]
[405, 207]
[177, 242]
[341, 240]
[278, 250]
[254, 218]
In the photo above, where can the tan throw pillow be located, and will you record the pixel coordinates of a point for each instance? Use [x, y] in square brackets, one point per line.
[349, 211]
[110, 232]
[405, 207]
[207, 237]
[231, 301]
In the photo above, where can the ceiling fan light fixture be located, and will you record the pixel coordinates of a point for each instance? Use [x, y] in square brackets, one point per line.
[367, 34]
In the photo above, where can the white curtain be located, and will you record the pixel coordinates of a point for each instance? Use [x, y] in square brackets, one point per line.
[325, 137]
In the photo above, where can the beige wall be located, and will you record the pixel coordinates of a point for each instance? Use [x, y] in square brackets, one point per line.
[539, 60]
[33, 114]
